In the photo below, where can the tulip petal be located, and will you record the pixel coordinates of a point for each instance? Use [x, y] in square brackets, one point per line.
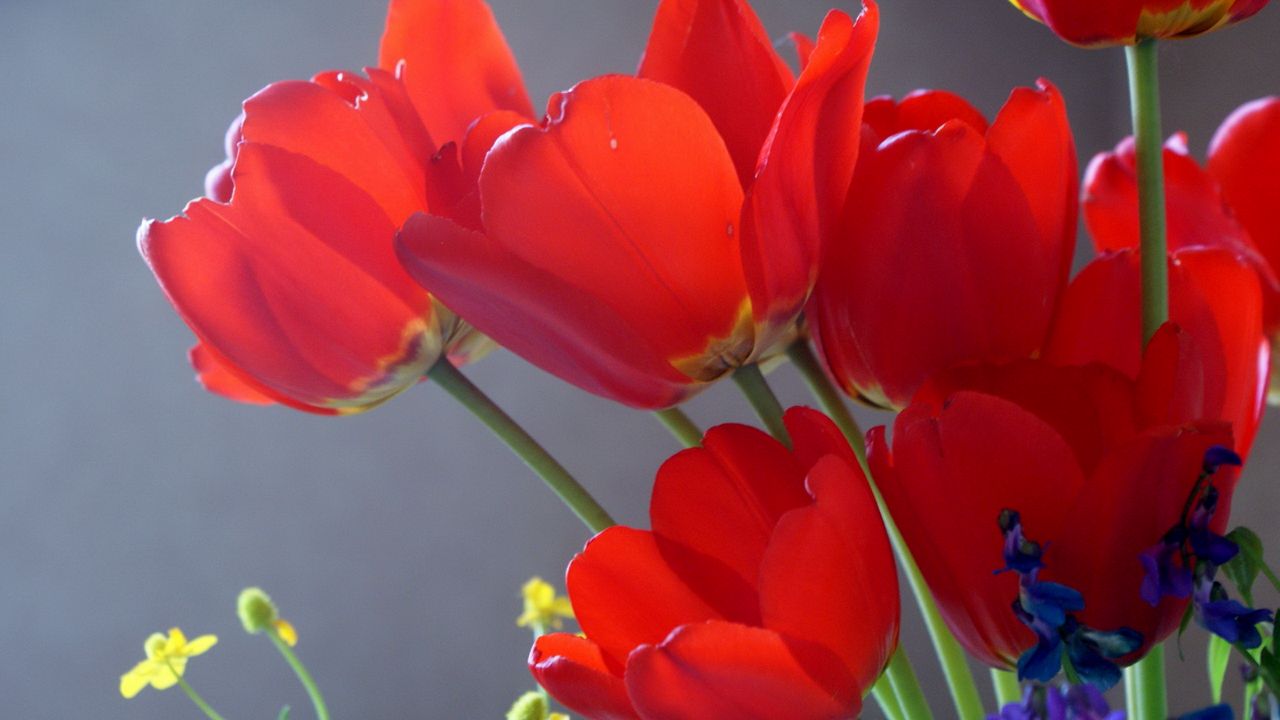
[573, 670]
[628, 194]
[1244, 158]
[922, 110]
[844, 594]
[538, 315]
[722, 501]
[1087, 23]
[954, 468]
[363, 129]
[1098, 553]
[929, 226]
[625, 594]
[454, 62]
[1033, 138]
[217, 378]
[723, 671]
[296, 285]
[805, 170]
[718, 52]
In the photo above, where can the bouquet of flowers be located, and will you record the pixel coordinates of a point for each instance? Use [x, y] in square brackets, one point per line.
[1056, 485]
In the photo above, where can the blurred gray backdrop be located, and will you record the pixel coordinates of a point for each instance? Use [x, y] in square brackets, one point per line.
[131, 500]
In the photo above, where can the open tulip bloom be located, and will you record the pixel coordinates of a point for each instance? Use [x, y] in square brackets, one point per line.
[1057, 482]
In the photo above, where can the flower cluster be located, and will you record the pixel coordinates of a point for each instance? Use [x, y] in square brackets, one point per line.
[655, 233]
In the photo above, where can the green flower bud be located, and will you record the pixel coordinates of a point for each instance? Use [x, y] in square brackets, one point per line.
[530, 706]
[256, 611]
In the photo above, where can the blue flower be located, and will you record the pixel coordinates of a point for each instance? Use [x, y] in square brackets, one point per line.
[1216, 712]
[1165, 573]
[1229, 619]
[1217, 456]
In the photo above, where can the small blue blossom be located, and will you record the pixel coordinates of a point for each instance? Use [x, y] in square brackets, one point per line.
[1165, 573]
[1066, 702]
[1217, 456]
[1229, 619]
[1215, 712]
[1207, 545]
[1092, 652]
[1020, 554]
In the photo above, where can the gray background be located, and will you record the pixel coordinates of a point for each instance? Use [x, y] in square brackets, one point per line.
[130, 500]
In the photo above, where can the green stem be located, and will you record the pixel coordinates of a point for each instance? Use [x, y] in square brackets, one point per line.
[907, 687]
[763, 401]
[887, 698]
[195, 696]
[444, 374]
[827, 394]
[955, 665]
[1006, 686]
[1149, 680]
[1144, 93]
[1131, 693]
[313, 692]
[684, 429]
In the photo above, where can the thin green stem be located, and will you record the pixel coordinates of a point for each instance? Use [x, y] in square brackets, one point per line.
[1006, 686]
[907, 687]
[763, 401]
[444, 374]
[1144, 94]
[304, 677]
[683, 428]
[191, 693]
[1131, 693]
[955, 665]
[1149, 680]
[887, 698]
[827, 394]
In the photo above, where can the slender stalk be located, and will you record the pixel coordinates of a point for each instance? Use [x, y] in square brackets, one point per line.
[1144, 93]
[1149, 679]
[955, 665]
[1131, 693]
[763, 401]
[1006, 686]
[887, 698]
[313, 692]
[683, 428]
[827, 394]
[907, 687]
[193, 695]
[444, 374]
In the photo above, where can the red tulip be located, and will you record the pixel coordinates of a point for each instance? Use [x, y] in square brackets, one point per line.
[1094, 23]
[288, 273]
[1214, 297]
[955, 243]
[766, 588]
[1098, 465]
[643, 241]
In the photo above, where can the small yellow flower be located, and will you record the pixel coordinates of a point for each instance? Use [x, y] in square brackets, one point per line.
[165, 663]
[257, 613]
[542, 607]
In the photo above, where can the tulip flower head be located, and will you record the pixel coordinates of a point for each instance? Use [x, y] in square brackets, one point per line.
[1095, 23]
[166, 661]
[766, 588]
[955, 243]
[653, 233]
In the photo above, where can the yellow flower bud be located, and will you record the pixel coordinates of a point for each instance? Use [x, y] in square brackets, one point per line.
[256, 611]
[530, 706]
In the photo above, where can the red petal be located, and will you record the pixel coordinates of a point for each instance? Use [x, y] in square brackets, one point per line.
[722, 671]
[804, 47]
[829, 577]
[814, 436]
[805, 169]
[572, 669]
[1214, 297]
[718, 52]
[1097, 553]
[954, 468]
[625, 595]
[628, 195]
[924, 276]
[480, 138]
[220, 380]
[1245, 159]
[1088, 23]
[1033, 137]
[923, 110]
[454, 61]
[722, 501]
[362, 129]
[539, 315]
[295, 284]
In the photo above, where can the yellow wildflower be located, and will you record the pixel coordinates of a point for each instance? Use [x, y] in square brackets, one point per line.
[542, 607]
[165, 663]
[257, 612]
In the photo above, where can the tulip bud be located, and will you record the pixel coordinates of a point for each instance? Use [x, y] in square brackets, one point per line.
[1094, 23]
